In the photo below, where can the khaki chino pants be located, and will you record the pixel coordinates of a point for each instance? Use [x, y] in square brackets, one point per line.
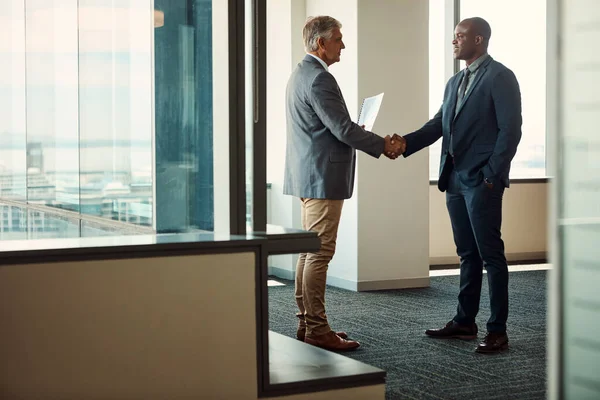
[323, 217]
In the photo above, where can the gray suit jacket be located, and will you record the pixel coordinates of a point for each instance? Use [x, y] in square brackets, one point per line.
[321, 138]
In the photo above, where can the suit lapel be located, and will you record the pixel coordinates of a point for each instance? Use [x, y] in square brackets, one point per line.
[481, 71]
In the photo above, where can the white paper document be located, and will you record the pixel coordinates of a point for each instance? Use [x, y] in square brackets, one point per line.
[368, 111]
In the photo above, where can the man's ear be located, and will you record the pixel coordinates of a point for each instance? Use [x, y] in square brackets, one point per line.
[478, 40]
[321, 43]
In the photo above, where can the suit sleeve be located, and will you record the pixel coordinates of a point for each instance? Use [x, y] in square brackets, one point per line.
[330, 107]
[507, 104]
[426, 136]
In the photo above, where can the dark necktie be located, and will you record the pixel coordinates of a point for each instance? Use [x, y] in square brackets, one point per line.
[461, 94]
[463, 85]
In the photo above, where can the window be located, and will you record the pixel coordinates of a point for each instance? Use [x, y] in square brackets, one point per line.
[526, 59]
[107, 112]
[52, 103]
[115, 111]
[439, 69]
[13, 164]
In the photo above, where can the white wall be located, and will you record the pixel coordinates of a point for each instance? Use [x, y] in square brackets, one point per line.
[386, 216]
[345, 71]
[524, 228]
[374, 31]
[392, 196]
[344, 264]
[281, 59]
[524, 224]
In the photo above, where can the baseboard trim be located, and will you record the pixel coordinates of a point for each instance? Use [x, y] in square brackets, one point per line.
[390, 284]
[386, 284]
[281, 273]
[510, 257]
[342, 283]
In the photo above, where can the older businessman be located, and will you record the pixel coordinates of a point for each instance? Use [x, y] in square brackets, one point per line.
[319, 169]
[480, 122]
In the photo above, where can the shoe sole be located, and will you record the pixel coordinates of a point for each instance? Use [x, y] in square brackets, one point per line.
[334, 349]
[461, 337]
[502, 348]
[302, 338]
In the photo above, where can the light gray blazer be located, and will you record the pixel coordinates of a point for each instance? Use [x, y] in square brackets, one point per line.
[320, 155]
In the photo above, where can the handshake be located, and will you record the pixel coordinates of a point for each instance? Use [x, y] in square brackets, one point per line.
[394, 146]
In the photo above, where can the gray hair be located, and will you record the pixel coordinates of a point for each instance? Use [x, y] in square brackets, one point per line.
[318, 27]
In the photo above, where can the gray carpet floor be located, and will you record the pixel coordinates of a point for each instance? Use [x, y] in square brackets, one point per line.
[390, 326]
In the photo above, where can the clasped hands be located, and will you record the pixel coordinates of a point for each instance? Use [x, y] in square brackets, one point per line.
[395, 146]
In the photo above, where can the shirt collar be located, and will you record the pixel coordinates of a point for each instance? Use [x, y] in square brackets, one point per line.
[319, 60]
[477, 63]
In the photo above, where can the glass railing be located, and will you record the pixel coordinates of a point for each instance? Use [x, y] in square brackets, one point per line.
[19, 221]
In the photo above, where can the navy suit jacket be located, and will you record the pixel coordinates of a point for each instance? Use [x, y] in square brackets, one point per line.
[486, 129]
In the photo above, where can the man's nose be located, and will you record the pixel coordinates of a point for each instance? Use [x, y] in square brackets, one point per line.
[454, 42]
[343, 45]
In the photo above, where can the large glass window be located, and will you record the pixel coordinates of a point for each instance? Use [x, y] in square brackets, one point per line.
[527, 62]
[107, 112]
[115, 110]
[438, 75]
[52, 103]
[13, 164]
[184, 116]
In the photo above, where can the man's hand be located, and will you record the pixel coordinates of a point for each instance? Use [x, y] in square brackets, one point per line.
[401, 140]
[394, 147]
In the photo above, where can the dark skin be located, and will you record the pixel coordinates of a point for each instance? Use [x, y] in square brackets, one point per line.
[471, 39]
[470, 42]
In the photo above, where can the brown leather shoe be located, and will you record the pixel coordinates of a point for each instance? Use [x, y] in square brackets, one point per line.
[331, 341]
[494, 342]
[301, 333]
[452, 330]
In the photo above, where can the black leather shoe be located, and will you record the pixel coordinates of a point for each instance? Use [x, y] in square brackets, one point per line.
[494, 342]
[452, 330]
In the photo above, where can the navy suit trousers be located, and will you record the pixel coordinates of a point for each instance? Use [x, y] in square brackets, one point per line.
[476, 217]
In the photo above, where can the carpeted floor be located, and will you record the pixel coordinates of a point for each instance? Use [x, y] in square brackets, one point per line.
[390, 326]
